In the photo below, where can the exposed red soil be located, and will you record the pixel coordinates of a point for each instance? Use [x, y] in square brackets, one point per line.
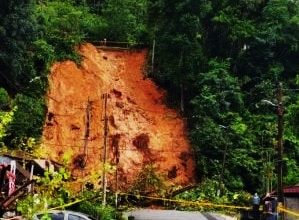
[141, 128]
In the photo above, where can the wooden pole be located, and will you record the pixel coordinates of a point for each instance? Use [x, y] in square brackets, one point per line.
[182, 107]
[87, 127]
[86, 137]
[116, 175]
[280, 125]
[222, 171]
[30, 187]
[104, 179]
[153, 56]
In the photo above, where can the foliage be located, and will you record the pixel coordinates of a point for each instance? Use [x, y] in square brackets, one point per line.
[39, 35]
[97, 210]
[17, 30]
[51, 190]
[291, 144]
[5, 119]
[293, 117]
[216, 59]
[4, 99]
[220, 59]
[218, 123]
[148, 181]
[292, 171]
[27, 121]
[30, 205]
[126, 20]
[63, 26]
[6, 114]
[54, 190]
[207, 192]
[177, 31]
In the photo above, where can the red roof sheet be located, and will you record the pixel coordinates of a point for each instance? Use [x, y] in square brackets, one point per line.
[291, 189]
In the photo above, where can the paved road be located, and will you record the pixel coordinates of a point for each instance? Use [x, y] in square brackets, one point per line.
[150, 214]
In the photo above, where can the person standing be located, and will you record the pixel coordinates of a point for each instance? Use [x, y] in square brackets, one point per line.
[269, 207]
[255, 206]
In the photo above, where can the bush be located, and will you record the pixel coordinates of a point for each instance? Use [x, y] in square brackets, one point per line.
[207, 191]
[63, 26]
[148, 181]
[4, 99]
[126, 20]
[97, 210]
[27, 122]
[51, 190]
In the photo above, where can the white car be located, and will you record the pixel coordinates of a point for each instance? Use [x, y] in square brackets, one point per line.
[62, 215]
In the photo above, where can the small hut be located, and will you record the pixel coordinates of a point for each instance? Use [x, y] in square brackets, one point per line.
[17, 172]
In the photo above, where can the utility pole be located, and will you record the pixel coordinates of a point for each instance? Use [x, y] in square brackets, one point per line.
[116, 176]
[279, 147]
[87, 129]
[280, 125]
[218, 192]
[86, 139]
[182, 106]
[104, 179]
[269, 172]
[153, 56]
[222, 171]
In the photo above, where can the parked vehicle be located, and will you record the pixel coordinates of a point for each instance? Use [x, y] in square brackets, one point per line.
[62, 215]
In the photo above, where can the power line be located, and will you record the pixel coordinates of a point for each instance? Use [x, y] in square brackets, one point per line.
[164, 109]
[98, 137]
[121, 149]
[64, 145]
[136, 107]
[150, 150]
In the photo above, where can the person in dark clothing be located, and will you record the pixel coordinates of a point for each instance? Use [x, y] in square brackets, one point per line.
[270, 207]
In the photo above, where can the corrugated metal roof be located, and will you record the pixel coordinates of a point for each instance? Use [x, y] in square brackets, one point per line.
[5, 160]
[291, 189]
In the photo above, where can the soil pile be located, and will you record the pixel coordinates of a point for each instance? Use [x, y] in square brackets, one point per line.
[141, 129]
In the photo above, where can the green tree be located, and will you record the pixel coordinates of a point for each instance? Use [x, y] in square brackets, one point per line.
[4, 99]
[63, 26]
[18, 30]
[52, 190]
[177, 30]
[27, 121]
[228, 56]
[126, 20]
[35, 35]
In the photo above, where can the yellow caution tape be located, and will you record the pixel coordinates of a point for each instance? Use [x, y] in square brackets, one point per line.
[198, 203]
[68, 204]
[280, 208]
[291, 212]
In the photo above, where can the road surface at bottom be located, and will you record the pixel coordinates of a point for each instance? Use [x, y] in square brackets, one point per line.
[150, 214]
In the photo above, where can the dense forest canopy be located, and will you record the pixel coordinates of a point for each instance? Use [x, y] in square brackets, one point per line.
[217, 59]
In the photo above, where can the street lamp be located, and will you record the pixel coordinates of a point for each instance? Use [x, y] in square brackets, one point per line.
[268, 102]
[280, 112]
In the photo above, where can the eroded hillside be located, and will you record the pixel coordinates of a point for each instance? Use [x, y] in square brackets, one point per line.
[141, 128]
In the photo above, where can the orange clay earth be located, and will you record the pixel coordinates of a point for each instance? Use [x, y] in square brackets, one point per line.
[141, 129]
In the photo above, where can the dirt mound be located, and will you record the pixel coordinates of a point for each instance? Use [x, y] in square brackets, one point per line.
[141, 129]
